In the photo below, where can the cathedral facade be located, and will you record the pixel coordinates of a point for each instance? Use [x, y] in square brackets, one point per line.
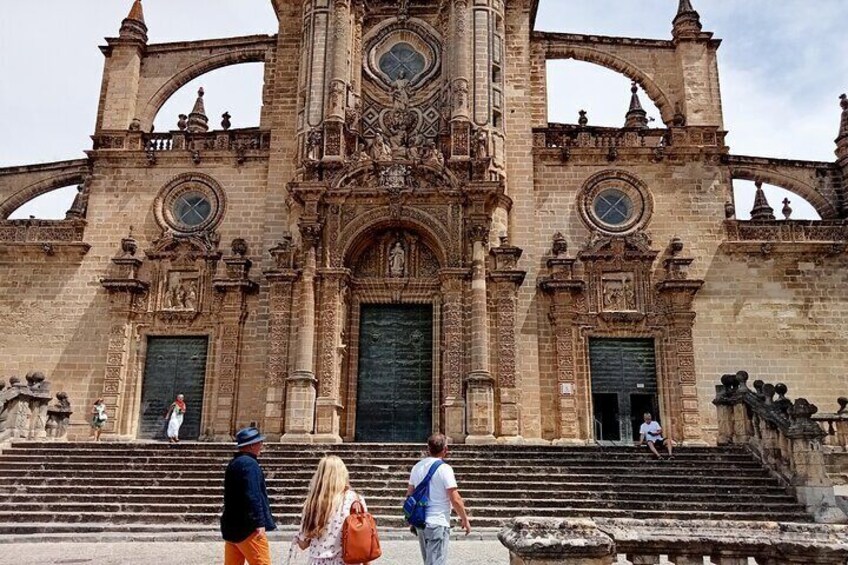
[406, 245]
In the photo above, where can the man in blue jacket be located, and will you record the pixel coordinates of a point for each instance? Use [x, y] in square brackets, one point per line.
[247, 511]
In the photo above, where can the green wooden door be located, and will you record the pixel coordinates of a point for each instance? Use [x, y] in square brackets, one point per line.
[175, 365]
[395, 387]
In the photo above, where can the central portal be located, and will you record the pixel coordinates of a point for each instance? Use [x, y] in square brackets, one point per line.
[395, 385]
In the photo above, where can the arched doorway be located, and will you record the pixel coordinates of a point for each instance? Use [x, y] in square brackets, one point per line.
[392, 377]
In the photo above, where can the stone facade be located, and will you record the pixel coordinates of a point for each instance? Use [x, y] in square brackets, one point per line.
[404, 157]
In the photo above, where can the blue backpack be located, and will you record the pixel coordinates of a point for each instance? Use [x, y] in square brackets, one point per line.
[415, 505]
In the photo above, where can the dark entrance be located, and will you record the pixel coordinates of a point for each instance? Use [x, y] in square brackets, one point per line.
[624, 386]
[175, 365]
[395, 388]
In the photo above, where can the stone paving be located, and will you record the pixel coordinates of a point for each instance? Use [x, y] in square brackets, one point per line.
[210, 553]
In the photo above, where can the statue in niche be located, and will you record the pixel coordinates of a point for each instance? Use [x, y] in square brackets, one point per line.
[380, 148]
[481, 144]
[400, 92]
[432, 155]
[313, 145]
[397, 261]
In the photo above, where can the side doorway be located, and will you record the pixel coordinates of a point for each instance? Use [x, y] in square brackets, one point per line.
[624, 386]
[174, 365]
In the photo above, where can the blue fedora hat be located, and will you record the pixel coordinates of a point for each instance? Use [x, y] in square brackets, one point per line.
[248, 436]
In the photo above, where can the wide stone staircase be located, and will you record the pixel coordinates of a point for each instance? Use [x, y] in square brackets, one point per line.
[145, 487]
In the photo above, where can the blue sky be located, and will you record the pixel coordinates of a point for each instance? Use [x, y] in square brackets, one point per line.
[783, 65]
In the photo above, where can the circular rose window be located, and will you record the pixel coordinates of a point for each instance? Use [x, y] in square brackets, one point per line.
[190, 203]
[615, 202]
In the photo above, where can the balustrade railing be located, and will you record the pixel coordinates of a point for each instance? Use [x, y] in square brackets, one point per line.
[783, 434]
[674, 542]
[39, 231]
[561, 136]
[835, 425]
[240, 140]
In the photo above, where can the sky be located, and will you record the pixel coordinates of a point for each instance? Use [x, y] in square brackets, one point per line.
[782, 67]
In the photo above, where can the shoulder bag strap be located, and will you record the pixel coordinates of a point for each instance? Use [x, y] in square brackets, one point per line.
[433, 468]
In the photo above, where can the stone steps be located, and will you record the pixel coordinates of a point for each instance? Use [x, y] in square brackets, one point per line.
[87, 487]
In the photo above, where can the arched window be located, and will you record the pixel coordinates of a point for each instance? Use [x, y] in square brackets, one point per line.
[236, 89]
[604, 95]
[50, 206]
[778, 198]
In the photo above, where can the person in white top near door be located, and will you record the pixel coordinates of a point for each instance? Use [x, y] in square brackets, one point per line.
[651, 432]
[444, 494]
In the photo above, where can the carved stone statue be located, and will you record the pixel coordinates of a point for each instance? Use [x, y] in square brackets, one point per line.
[79, 207]
[380, 148]
[400, 92]
[397, 260]
[313, 145]
[481, 144]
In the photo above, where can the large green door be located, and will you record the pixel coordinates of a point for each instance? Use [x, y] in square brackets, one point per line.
[175, 365]
[395, 387]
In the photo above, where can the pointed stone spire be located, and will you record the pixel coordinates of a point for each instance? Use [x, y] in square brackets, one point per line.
[133, 27]
[761, 210]
[687, 22]
[197, 120]
[636, 117]
[842, 139]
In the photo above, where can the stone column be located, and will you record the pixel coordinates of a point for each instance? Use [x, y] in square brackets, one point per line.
[329, 404]
[282, 280]
[460, 80]
[453, 403]
[506, 280]
[479, 391]
[340, 79]
[300, 386]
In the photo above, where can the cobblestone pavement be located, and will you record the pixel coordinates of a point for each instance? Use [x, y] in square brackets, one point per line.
[208, 553]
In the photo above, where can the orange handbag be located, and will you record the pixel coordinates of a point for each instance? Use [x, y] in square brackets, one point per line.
[360, 543]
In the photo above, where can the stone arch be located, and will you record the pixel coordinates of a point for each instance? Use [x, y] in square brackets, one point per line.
[196, 69]
[654, 91]
[39, 188]
[810, 193]
[356, 234]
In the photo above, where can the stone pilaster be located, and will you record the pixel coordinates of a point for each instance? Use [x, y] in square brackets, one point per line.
[506, 280]
[339, 82]
[329, 404]
[282, 281]
[563, 290]
[453, 403]
[460, 66]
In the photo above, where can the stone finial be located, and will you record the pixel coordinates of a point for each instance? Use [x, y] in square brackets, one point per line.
[198, 122]
[843, 405]
[687, 22]
[761, 210]
[729, 210]
[239, 247]
[129, 245]
[636, 116]
[583, 120]
[133, 26]
[787, 209]
[226, 124]
[182, 123]
[560, 245]
[675, 246]
[843, 124]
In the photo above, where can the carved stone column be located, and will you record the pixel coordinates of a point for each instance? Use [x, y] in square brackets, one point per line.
[460, 53]
[340, 73]
[235, 285]
[452, 314]
[506, 280]
[479, 389]
[282, 280]
[329, 405]
[564, 290]
[678, 293]
[300, 386]
[126, 299]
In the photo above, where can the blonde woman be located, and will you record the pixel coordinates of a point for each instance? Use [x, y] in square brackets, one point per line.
[327, 505]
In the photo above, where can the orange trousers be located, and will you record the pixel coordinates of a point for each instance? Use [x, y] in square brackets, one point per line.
[255, 549]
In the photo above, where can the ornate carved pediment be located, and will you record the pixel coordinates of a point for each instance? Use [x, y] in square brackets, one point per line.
[396, 175]
[185, 249]
[636, 247]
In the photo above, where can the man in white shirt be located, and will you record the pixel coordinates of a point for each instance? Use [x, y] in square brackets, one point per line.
[651, 432]
[444, 494]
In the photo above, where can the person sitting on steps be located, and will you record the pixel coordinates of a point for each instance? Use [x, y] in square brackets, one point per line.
[651, 432]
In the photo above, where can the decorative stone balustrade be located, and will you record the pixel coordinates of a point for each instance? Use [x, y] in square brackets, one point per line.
[782, 434]
[782, 236]
[25, 412]
[561, 136]
[28, 231]
[644, 542]
[835, 425]
[239, 140]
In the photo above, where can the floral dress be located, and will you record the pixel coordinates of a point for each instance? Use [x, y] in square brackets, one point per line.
[327, 550]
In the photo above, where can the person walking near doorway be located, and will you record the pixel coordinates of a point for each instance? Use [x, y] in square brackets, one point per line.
[175, 415]
[444, 494]
[247, 511]
[98, 417]
[327, 505]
